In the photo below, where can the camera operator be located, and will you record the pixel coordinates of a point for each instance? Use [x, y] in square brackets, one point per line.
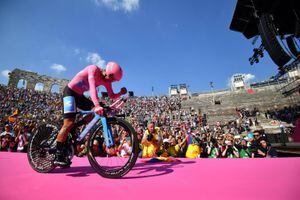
[151, 141]
[230, 150]
[212, 149]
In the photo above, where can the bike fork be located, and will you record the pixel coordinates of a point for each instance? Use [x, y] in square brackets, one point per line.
[108, 137]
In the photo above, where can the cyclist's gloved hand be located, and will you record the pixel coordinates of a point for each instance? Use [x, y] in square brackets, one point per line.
[123, 90]
[99, 110]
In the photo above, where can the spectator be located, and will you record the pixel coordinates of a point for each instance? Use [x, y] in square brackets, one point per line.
[265, 150]
[193, 149]
[22, 142]
[125, 147]
[230, 150]
[212, 149]
[7, 139]
[171, 148]
[151, 141]
[25, 109]
[244, 150]
[256, 143]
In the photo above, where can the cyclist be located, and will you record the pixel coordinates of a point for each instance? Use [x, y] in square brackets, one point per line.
[86, 80]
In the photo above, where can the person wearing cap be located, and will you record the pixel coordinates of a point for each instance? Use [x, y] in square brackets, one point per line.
[250, 139]
[171, 148]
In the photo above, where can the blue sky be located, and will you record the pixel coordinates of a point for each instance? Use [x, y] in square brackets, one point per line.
[157, 42]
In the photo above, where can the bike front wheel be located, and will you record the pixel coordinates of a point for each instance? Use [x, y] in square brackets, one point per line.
[117, 161]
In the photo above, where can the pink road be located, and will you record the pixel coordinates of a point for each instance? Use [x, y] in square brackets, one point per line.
[269, 178]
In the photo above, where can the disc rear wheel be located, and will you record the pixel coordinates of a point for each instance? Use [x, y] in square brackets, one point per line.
[38, 149]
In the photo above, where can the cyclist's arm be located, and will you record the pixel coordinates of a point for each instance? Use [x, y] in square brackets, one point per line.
[110, 91]
[92, 84]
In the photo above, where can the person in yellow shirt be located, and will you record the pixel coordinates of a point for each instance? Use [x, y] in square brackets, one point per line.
[151, 141]
[171, 148]
[194, 149]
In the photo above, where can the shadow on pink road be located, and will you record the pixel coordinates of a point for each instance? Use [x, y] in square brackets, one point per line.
[140, 170]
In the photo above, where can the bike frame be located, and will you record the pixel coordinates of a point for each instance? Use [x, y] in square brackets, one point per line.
[108, 138]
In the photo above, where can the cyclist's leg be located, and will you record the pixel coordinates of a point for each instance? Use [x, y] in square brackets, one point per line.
[61, 158]
[69, 114]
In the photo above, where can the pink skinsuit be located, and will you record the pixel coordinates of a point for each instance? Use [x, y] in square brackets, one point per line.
[88, 80]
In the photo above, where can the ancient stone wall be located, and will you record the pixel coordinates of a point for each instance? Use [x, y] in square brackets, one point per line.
[33, 78]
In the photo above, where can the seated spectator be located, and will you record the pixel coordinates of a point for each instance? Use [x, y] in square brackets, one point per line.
[230, 150]
[244, 150]
[220, 145]
[265, 150]
[7, 139]
[183, 148]
[256, 143]
[193, 149]
[27, 132]
[171, 148]
[22, 141]
[203, 142]
[151, 141]
[125, 148]
[212, 149]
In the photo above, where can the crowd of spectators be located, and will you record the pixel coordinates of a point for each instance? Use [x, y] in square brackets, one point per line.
[21, 111]
[163, 128]
[287, 114]
[184, 133]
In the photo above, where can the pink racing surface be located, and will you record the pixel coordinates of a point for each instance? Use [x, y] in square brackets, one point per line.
[276, 178]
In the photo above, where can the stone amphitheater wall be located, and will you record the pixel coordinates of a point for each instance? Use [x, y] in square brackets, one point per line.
[33, 78]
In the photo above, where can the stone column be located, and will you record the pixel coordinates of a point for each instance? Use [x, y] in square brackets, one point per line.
[47, 86]
[31, 84]
[13, 80]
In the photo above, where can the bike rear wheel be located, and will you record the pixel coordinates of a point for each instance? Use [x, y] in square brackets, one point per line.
[38, 149]
[111, 163]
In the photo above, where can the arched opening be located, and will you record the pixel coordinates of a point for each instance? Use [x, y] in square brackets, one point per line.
[39, 87]
[22, 83]
[55, 88]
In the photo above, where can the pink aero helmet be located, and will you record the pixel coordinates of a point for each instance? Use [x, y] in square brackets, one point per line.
[112, 68]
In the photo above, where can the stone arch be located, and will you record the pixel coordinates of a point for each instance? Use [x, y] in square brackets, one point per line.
[22, 83]
[33, 78]
[55, 88]
[39, 87]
